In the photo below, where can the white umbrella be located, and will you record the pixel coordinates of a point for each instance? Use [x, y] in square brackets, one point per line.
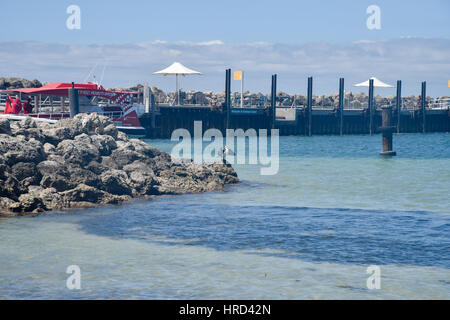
[376, 83]
[177, 69]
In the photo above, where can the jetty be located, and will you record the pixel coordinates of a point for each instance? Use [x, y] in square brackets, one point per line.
[293, 117]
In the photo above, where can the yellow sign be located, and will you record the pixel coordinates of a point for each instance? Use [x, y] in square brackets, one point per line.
[449, 83]
[238, 75]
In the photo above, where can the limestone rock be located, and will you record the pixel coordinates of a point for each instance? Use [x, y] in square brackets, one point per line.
[85, 162]
[116, 182]
[18, 149]
[4, 126]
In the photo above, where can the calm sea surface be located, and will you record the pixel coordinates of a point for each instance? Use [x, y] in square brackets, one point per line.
[309, 232]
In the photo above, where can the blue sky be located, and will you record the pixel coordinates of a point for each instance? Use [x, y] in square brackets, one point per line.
[326, 39]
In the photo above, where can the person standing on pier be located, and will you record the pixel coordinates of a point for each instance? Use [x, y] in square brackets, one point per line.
[16, 105]
[27, 107]
[8, 108]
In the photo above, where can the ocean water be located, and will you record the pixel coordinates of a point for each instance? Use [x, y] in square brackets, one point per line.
[309, 232]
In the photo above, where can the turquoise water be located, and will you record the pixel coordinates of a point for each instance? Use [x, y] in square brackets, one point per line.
[334, 208]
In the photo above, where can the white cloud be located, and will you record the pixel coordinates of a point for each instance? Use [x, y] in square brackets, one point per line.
[410, 59]
[211, 43]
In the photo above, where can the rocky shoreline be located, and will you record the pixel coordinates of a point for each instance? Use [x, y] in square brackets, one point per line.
[86, 162]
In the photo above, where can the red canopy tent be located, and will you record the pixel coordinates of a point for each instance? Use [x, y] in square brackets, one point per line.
[84, 89]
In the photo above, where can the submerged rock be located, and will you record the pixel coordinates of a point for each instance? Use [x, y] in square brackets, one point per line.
[85, 162]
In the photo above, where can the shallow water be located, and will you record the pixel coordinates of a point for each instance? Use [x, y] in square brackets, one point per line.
[334, 208]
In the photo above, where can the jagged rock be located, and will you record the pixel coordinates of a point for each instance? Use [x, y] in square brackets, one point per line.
[55, 135]
[10, 187]
[3, 168]
[54, 175]
[116, 182]
[111, 130]
[138, 166]
[22, 170]
[83, 193]
[86, 196]
[50, 167]
[18, 149]
[143, 148]
[80, 175]
[84, 162]
[97, 167]
[31, 203]
[50, 196]
[108, 162]
[79, 151]
[144, 182]
[121, 136]
[125, 154]
[13, 83]
[9, 206]
[91, 122]
[29, 133]
[26, 173]
[49, 148]
[161, 163]
[59, 182]
[27, 123]
[104, 143]
[4, 126]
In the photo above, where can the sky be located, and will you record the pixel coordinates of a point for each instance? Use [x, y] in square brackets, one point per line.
[126, 41]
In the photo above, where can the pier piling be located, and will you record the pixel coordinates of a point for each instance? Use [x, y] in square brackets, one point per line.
[62, 102]
[153, 109]
[341, 106]
[273, 100]
[399, 103]
[423, 102]
[370, 106]
[387, 130]
[228, 96]
[37, 102]
[73, 101]
[146, 98]
[309, 105]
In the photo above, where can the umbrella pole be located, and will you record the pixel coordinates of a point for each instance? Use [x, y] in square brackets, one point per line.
[178, 90]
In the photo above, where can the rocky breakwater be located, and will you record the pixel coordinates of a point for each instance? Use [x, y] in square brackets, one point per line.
[85, 162]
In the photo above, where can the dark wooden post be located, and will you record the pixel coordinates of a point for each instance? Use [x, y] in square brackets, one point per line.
[370, 106]
[228, 96]
[399, 103]
[37, 101]
[73, 101]
[273, 99]
[152, 105]
[51, 104]
[146, 98]
[309, 105]
[387, 130]
[423, 103]
[62, 103]
[341, 106]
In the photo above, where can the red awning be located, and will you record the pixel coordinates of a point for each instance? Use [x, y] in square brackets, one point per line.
[61, 89]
